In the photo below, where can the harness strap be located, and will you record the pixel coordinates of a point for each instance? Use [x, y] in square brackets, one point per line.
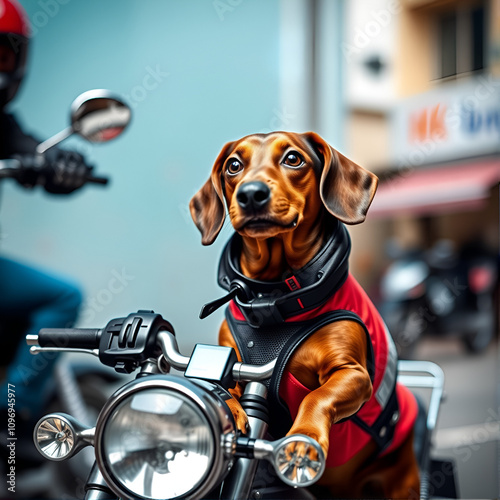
[386, 387]
[382, 430]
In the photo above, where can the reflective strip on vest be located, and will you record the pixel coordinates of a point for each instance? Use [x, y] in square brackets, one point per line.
[388, 382]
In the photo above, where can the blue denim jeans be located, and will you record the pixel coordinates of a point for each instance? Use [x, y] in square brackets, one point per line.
[39, 300]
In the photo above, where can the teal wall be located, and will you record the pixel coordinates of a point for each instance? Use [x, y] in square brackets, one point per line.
[216, 80]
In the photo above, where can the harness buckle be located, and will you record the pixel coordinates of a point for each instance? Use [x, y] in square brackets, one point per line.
[260, 312]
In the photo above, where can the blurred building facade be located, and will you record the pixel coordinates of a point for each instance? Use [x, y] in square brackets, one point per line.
[423, 96]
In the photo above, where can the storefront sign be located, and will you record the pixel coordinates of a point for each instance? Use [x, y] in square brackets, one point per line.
[456, 120]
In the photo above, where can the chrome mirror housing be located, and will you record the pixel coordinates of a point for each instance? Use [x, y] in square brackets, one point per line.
[98, 116]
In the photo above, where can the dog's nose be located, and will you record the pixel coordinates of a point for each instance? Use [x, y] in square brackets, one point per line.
[253, 195]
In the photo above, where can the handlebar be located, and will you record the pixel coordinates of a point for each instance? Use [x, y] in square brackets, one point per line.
[73, 338]
[127, 343]
[97, 180]
[239, 371]
[11, 169]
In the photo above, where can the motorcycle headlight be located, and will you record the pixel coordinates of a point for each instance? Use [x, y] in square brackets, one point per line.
[163, 437]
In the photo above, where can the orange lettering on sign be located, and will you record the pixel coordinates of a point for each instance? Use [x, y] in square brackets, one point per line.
[428, 124]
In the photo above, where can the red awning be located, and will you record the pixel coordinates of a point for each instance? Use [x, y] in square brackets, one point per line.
[437, 190]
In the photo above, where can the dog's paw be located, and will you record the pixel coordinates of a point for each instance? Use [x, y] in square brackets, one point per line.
[300, 462]
[299, 452]
[301, 447]
[240, 417]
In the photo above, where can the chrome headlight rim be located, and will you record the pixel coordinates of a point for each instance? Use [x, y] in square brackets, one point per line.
[217, 415]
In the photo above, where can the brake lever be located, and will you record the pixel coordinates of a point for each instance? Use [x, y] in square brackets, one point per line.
[35, 349]
[32, 340]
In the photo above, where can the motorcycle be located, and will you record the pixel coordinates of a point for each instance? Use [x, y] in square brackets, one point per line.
[441, 292]
[173, 436]
[80, 388]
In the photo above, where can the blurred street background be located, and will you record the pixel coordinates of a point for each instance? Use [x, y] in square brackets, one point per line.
[409, 89]
[468, 431]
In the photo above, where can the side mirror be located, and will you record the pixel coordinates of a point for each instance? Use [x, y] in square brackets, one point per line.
[96, 115]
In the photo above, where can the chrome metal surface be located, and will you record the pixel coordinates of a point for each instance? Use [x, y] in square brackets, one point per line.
[170, 350]
[256, 389]
[293, 458]
[54, 140]
[239, 483]
[32, 339]
[58, 436]
[424, 374]
[37, 350]
[150, 367]
[218, 417]
[243, 371]
[99, 115]
[97, 489]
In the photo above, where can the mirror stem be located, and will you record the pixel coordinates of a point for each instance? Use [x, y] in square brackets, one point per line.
[54, 140]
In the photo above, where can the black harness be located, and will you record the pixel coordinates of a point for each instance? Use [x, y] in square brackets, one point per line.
[266, 303]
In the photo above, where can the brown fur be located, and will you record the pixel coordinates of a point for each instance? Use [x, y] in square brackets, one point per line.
[332, 362]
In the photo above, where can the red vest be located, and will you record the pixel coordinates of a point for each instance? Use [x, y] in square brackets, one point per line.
[347, 438]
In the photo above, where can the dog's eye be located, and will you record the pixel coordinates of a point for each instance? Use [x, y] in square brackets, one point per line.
[233, 166]
[293, 159]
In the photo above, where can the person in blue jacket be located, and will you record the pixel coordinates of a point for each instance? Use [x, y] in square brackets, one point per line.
[30, 299]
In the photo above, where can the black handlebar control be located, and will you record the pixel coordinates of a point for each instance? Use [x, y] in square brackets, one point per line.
[124, 343]
[127, 342]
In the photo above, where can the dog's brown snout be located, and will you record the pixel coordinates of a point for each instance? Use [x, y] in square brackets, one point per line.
[253, 196]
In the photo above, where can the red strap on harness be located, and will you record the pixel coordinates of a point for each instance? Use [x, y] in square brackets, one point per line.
[293, 284]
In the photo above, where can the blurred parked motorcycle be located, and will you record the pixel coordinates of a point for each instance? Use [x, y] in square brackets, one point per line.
[441, 292]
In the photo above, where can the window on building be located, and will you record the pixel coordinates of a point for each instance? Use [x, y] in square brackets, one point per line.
[478, 31]
[460, 36]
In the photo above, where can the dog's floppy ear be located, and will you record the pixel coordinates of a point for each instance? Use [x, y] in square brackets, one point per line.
[346, 189]
[207, 205]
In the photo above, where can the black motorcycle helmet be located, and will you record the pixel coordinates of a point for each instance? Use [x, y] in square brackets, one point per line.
[14, 34]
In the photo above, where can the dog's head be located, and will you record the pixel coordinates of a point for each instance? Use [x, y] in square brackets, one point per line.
[274, 183]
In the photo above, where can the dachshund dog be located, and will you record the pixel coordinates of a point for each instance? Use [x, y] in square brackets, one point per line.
[284, 192]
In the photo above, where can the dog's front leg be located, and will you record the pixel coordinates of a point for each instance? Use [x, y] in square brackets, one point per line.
[333, 363]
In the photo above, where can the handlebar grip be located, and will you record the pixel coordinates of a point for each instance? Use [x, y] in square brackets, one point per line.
[77, 338]
[97, 180]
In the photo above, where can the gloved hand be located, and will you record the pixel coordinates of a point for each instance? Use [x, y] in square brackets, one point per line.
[64, 171]
[30, 168]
